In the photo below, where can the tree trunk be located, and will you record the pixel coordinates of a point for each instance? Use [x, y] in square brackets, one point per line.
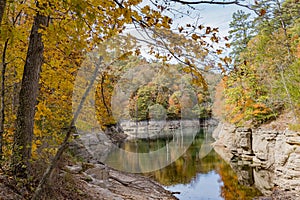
[28, 99]
[2, 9]
[2, 112]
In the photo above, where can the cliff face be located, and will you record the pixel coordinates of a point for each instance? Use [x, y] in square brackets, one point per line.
[273, 156]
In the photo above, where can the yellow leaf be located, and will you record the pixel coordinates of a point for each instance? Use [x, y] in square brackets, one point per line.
[219, 51]
[195, 36]
[145, 9]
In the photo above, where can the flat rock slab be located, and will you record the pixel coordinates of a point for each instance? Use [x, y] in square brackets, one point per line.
[102, 182]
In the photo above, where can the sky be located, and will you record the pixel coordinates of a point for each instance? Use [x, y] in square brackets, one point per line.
[219, 16]
[210, 15]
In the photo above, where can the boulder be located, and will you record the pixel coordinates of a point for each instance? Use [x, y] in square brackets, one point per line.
[93, 146]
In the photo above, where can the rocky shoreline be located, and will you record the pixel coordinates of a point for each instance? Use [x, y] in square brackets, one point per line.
[89, 177]
[154, 129]
[84, 180]
[94, 147]
[106, 182]
[273, 157]
[102, 182]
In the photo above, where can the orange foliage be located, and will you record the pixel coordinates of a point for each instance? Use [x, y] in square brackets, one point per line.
[232, 190]
[219, 103]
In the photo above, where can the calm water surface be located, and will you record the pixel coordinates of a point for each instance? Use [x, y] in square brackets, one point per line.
[200, 173]
[203, 186]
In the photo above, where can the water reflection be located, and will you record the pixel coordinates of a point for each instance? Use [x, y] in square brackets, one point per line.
[203, 186]
[200, 173]
[144, 155]
[193, 161]
[209, 177]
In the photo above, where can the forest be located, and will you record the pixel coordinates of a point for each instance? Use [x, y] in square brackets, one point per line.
[48, 47]
[264, 79]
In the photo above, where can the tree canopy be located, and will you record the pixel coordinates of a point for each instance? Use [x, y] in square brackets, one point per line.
[263, 83]
[44, 44]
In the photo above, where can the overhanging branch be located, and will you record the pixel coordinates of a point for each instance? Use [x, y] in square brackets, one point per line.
[205, 2]
[236, 2]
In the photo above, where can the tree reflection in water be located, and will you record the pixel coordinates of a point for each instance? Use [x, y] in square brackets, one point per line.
[192, 168]
[199, 173]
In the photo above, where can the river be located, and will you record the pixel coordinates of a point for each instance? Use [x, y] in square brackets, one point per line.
[197, 173]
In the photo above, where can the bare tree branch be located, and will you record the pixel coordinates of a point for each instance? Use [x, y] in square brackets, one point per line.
[65, 143]
[206, 2]
[236, 2]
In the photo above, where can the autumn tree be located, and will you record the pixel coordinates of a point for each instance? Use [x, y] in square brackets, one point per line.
[218, 107]
[43, 44]
[267, 58]
[107, 83]
[28, 97]
[169, 93]
[34, 60]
